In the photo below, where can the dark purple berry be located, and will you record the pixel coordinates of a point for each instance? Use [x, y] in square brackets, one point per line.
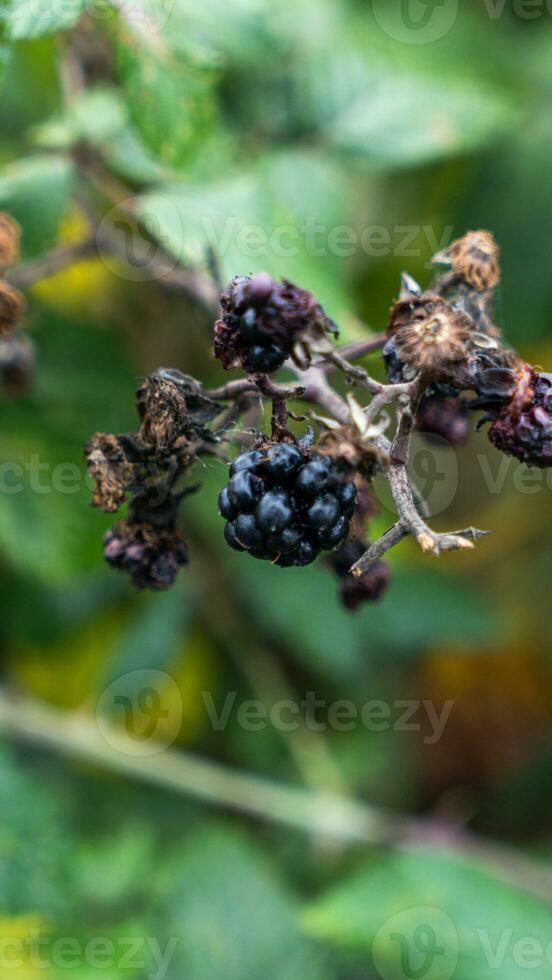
[225, 506]
[283, 543]
[249, 329]
[335, 535]
[283, 460]
[247, 531]
[346, 493]
[231, 539]
[304, 554]
[244, 490]
[324, 512]
[265, 359]
[274, 512]
[312, 478]
[247, 461]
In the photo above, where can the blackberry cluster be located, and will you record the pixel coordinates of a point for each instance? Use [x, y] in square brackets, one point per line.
[261, 320]
[523, 427]
[369, 587]
[286, 504]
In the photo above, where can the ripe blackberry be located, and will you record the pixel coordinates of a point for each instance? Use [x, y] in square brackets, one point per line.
[523, 428]
[286, 504]
[370, 587]
[262, 320]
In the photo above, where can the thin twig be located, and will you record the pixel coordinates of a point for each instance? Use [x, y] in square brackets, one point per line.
[26, 275]
[77, 736]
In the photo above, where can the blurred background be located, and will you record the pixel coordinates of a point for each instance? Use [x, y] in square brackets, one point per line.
[337, 143]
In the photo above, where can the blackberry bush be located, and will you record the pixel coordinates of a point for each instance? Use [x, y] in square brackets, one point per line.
[289, 497]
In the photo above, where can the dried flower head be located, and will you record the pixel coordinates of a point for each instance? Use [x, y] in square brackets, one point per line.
[12, 307]
[435, 336]
[172, 406]
[110, 468]
[263, 321]
[474, 259]
[10, 234]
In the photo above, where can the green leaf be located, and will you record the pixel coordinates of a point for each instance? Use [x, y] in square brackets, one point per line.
[409, 120]
[47, 527]
[169, 95]
[5, 47]
[259, 220]
[114, 869]
[217, 887]
[29, 19]
[403, 906]
[36, 190]
[34, 843]
[150, 639]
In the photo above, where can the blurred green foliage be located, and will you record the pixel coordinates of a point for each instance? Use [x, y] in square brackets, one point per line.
[217, 119]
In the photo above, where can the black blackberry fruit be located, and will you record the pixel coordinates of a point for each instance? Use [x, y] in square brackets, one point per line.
[286, 504]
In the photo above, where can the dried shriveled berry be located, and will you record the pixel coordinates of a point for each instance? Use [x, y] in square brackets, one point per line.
[151, 556]
[369, 587]
[445, 417]
[523, 428]
[286, 504]
[111, 470]
[262, 320]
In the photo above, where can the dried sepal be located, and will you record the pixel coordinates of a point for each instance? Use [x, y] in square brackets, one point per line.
[110, 469]
[172, 406]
